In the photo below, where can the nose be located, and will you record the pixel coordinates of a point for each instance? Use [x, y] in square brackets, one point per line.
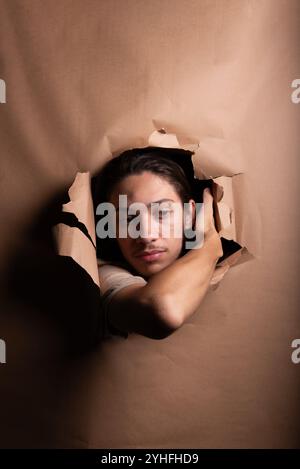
[148, 229]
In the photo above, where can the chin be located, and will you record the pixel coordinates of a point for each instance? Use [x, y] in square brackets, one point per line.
[152, 269]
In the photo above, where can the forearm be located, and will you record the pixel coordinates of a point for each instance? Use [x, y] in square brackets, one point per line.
[181, 286]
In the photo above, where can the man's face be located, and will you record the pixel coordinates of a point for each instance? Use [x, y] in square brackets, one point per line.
[148, 188]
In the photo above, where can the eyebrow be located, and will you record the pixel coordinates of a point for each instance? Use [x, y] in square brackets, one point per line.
[155, 202]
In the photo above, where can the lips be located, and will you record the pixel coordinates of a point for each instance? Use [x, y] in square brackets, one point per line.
[150, 256]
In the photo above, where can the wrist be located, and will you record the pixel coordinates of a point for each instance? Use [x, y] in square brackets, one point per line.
[213, 241]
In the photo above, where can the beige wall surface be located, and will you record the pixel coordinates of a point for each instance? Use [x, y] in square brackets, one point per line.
[88, 78]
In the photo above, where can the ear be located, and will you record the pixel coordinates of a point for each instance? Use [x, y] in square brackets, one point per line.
[190, 214]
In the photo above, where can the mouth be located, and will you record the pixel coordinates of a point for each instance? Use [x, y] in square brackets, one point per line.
[150, 256]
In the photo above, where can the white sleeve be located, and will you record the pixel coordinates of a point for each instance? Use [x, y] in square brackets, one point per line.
[112, 279]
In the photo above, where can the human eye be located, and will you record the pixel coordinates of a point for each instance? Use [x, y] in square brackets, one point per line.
[132, 217]
[162, 214]
[165, 212]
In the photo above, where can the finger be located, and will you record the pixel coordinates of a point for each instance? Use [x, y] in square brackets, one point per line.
[207, 195]
[208, 207]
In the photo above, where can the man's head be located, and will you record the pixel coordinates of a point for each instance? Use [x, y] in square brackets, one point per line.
[147, 176]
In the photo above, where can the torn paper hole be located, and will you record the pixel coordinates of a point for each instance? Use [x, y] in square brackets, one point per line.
[230, 221]
[70, 240]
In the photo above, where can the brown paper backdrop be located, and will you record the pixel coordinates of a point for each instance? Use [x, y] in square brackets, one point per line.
[86, 79]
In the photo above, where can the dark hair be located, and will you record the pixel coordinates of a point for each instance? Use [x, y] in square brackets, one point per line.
[137, 160]
[172, 164]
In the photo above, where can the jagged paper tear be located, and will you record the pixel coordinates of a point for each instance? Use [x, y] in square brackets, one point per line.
[227, 192]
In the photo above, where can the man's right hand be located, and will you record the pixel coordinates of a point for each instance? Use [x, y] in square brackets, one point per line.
[209, 222]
